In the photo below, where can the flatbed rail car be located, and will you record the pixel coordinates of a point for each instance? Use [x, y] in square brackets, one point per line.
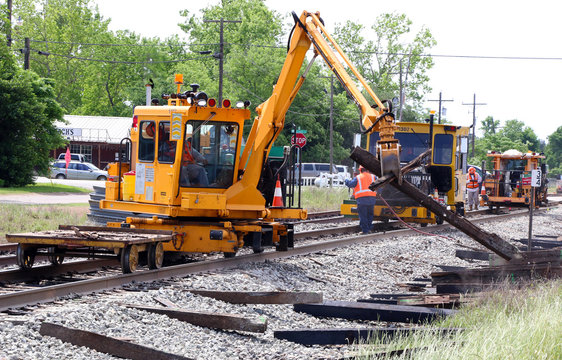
[443, 178]
[509, 183]
[93, 242]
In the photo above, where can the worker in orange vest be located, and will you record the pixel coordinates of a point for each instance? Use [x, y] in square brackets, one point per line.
[473, 181]
[365, 198]
[193, 172]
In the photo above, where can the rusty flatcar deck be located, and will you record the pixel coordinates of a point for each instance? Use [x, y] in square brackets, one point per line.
[92, 242]
[91, 236]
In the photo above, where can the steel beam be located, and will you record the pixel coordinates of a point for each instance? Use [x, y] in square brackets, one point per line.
[206, 319]
[369, 311]
[105, 344]
[254, 297]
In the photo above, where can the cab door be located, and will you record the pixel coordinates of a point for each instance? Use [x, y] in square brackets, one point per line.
[165, 166]
[145, 167]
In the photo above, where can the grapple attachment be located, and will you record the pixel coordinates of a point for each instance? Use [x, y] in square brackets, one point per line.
[389, 157]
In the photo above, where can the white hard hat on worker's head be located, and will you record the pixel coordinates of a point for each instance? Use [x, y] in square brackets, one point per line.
[471, 170]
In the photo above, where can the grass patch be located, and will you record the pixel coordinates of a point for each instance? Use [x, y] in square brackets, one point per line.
[24, 218]
[506, 324]
[322, 199]
[42, 188]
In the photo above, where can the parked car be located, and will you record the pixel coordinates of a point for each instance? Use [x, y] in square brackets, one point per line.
[74, 157]
[77, 170]
[315, 169]
[324, 180]
[344, 171]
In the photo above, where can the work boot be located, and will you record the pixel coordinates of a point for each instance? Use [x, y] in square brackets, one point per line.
[469, 207]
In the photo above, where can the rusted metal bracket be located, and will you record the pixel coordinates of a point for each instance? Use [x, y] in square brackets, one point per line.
[489, 240]
[105, 344]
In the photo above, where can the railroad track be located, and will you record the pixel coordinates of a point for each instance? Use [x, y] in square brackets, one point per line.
[318, 218]
[21, 298]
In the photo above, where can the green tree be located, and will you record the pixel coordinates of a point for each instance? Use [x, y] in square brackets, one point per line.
[391, 58]
[516, 131]
[489, 125]
[553, 152]
[59, 30]
[28, 110]
[513, 135]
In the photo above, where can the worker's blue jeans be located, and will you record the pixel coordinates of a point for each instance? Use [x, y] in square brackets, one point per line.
[366, 208]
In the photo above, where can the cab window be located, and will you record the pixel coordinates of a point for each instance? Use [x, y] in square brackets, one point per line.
[146, 140]
[209, 154]
[443, 149]
[413, 144]
[166, 148]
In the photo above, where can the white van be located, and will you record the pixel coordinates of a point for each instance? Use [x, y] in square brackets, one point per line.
[73, 157]
[315, 169]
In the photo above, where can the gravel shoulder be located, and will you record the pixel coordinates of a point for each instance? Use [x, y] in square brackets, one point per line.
[342, 274]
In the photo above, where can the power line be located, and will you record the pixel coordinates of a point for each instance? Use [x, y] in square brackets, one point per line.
[462, 56]
[262, 100]
[119, 61]
[116, 44]
[282, 47]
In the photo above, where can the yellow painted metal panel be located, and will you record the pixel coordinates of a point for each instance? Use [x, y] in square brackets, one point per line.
[203, 201]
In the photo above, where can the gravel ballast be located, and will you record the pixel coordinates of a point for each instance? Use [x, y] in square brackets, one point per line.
[348, 273]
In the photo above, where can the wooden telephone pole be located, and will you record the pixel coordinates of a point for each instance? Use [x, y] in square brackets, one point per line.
[473, 104]
[440, 101]
[220, 54]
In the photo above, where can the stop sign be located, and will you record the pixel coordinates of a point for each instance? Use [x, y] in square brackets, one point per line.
[298, 139]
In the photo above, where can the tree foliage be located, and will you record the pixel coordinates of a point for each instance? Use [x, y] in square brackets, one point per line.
[553, 152]
[390, 57]
[28, 110]
[100, 72]
[513, 135]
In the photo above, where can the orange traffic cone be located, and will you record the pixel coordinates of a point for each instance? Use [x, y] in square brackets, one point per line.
[278, 195]
[483, 197]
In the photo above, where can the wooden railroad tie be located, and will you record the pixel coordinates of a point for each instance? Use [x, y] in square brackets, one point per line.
[207, 319]
[376, 312]
[105, 344]
[345, 336]
[262, 297]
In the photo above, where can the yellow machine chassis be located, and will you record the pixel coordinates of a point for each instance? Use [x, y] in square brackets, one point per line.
[206, 237]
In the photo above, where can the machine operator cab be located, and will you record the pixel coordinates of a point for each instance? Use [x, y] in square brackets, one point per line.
[187, 145]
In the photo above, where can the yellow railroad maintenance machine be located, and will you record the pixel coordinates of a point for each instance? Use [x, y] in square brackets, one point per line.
[443, 177]
[509, 183]
[184, 165]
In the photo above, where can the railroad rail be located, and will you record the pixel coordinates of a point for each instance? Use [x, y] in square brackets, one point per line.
[50, 293]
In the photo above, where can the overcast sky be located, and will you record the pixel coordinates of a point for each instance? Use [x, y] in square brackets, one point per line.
[523, 89]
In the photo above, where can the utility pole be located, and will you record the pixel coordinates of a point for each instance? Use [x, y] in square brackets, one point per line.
[9, 30]
[474, 103]
[331, 126]
[26, 52]
[220, 54]
[402, 85]
[331, 123]
[440, 101]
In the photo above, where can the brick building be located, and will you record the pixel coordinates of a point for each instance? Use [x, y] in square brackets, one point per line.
[96, 137]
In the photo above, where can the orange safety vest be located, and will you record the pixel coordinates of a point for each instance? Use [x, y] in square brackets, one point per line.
[362, 188]
[472, 182]
[187, 157]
